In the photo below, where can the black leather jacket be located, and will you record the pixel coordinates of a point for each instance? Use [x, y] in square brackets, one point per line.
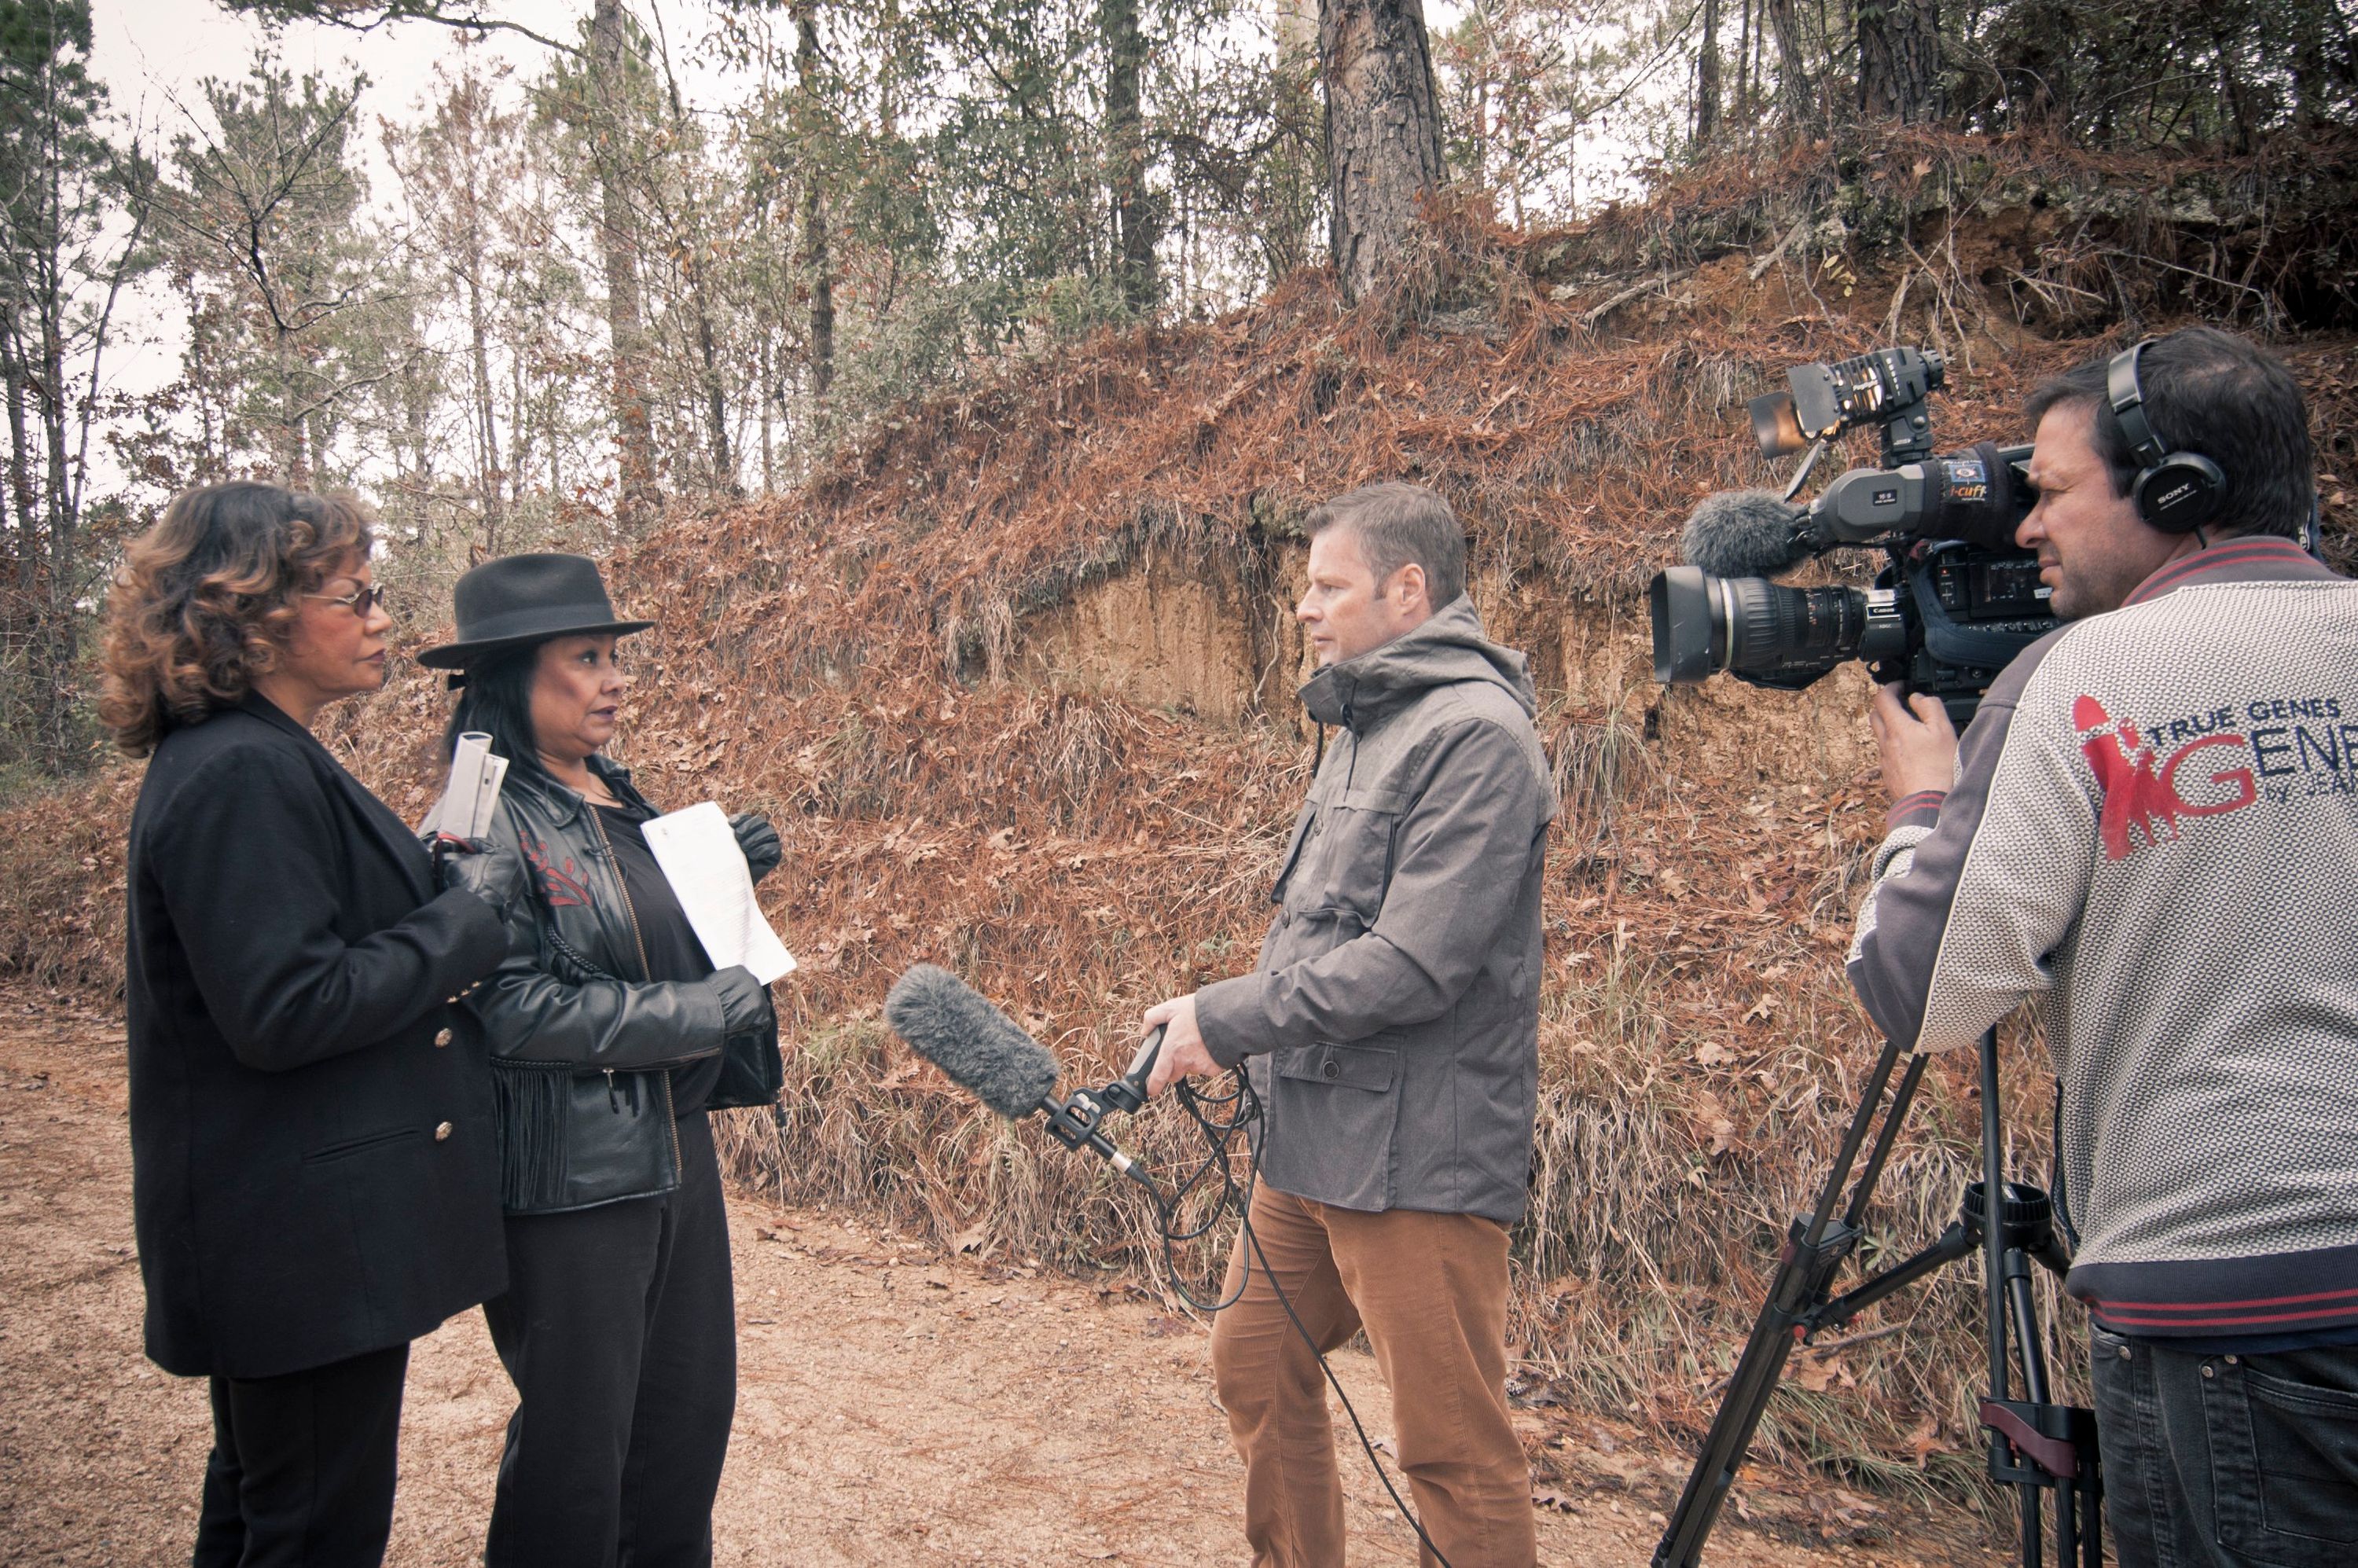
[581, 1044]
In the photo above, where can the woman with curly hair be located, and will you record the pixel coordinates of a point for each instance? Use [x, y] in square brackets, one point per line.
[315, 1181]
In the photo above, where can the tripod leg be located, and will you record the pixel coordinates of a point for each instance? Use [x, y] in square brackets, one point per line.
[1814, 1251]
[2089, 1487]
[1996, 1316]
[1993, 1230]
[2025, 1323]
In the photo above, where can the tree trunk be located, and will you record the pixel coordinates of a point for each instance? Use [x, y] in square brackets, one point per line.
[21, 596]
[618, 241]
[2034, 63]
[1744, 63]
[2320, 39]
[521, 433]
[293, 456]
[2230, 84]
[768, 383]
[58, 644]
[1793, 86]
[27, 553]
[816, 263]
[716, 397]
[1706, 107]
[1899, 60]
[487, 429]
[1134, 219]
[1383, 133]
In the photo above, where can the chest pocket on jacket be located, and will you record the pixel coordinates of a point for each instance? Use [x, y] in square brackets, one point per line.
[1345, 861]
[1368, 1068]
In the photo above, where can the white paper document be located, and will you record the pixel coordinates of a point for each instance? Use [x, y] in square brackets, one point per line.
[472, 799]
[707, 873]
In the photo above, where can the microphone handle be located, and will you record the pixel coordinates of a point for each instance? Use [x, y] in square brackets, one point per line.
[1076, 1125]
[1128, 1092]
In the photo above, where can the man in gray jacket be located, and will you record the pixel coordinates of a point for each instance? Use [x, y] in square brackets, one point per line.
[1391, 1028]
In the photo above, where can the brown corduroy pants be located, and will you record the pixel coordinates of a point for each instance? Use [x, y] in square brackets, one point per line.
[1431, 1289]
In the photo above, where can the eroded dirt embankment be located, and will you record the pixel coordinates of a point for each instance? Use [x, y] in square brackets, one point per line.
[894, 1406]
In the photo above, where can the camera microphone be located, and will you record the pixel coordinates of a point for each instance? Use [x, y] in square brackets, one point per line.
[1745, 533]
[987, 1054]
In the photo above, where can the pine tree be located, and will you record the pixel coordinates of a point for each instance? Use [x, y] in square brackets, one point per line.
[1383, 133]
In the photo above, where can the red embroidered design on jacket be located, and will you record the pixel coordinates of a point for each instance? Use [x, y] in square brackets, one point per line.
[2140, 789]
[560, 883]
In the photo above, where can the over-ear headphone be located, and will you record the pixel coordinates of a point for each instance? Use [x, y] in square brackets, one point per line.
[2174, 491]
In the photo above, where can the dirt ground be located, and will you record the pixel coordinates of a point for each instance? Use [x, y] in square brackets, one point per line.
[894, 1406]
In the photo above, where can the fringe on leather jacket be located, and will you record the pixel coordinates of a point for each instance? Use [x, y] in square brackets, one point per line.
[581, 1043]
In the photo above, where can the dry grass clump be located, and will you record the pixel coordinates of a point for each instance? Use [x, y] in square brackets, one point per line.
[62, 860]
[850, 659]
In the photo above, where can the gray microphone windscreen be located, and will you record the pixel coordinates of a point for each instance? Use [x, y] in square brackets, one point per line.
[953, 1027]
[1744, 533]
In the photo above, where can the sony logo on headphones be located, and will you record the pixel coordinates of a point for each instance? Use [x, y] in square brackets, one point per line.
[2172, 496]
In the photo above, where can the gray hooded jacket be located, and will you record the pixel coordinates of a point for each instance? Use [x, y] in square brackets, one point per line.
[1393, 1020]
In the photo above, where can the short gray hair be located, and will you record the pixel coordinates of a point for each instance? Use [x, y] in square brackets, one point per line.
[1396, 524]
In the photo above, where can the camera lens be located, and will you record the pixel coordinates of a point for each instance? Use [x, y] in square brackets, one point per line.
[1689, 644]
[1764, 630]
[1773, 628]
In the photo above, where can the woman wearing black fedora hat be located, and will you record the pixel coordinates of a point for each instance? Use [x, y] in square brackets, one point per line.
[610, 1036]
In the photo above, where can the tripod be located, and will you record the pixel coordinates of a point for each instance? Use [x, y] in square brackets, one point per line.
[2035, 1445]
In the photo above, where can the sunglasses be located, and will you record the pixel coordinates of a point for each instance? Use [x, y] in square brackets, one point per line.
[361, 602]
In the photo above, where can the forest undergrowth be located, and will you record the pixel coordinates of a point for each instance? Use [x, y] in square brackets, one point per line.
[858, 658]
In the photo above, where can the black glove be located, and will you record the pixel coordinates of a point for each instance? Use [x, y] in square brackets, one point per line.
[759, 841]
[492, 872]
[744, 1000]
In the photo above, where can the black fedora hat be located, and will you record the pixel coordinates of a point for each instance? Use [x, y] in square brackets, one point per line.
[520, 600]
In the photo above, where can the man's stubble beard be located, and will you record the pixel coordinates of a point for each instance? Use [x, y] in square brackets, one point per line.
[2097, 587]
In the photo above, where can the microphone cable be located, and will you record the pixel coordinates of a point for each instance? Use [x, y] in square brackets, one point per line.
[1220, 1117]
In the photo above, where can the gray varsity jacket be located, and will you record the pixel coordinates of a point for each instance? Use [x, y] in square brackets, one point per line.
[2155, 825]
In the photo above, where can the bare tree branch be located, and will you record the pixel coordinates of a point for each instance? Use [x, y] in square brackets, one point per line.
[368, 16]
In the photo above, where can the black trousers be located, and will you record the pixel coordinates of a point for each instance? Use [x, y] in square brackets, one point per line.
[2227, 1461]
[301, 1471]
[618, 1329]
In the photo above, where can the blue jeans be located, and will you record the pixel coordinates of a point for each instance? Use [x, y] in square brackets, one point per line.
[2227, 1461]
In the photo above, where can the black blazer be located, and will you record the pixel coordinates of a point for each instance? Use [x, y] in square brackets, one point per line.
[313, 1169]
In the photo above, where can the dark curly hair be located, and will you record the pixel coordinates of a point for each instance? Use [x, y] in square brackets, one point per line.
[204, 599]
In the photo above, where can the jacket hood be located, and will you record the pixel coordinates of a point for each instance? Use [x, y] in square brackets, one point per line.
[1448, 649]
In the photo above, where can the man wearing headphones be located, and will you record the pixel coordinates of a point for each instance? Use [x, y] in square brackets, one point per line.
[2153, 822]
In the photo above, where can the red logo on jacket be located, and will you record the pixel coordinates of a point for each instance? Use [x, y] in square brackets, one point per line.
[2140, 787]
[562, 884]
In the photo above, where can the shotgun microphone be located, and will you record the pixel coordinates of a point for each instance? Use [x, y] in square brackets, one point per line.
[987, 1054]
[983, 1050]
[1745, 533]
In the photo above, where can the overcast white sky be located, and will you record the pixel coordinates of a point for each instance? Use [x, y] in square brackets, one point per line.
[153, 54]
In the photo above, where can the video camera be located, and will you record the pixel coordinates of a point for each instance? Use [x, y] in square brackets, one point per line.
[1955, 601]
